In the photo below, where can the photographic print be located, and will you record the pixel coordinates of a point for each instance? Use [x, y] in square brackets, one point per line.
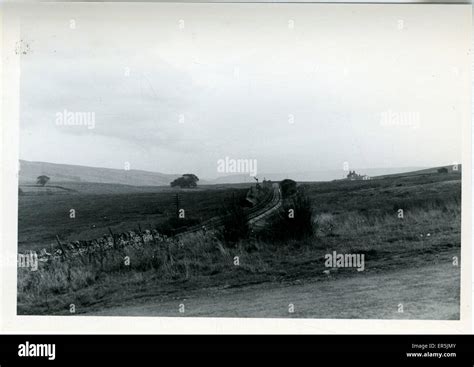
[242, 160]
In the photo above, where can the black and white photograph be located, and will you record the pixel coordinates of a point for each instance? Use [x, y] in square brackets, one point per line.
[239, 160]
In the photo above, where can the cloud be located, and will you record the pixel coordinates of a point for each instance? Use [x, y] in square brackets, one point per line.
[228, 85]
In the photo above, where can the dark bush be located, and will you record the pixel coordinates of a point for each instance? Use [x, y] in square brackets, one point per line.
[235, 223]
[288, 188]
[442, 170]
[293, 221]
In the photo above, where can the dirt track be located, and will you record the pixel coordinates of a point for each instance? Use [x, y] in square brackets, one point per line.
[426, 292]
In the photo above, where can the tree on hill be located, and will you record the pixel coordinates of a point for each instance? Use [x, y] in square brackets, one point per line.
[42, 180]
[188, 180]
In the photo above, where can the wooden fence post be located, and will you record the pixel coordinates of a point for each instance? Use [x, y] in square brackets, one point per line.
[113, 238]
[63, 250]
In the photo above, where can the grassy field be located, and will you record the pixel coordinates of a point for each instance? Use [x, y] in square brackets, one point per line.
[365, 214]
[348, 217]
[42, 216]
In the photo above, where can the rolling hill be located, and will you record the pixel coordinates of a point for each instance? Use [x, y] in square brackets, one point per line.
[29, 171]
[73, 175]
[427, 171]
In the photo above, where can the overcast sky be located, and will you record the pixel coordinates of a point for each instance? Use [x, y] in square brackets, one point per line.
[174, 88]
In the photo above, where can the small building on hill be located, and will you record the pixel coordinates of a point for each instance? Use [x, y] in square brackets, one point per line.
[353, 176]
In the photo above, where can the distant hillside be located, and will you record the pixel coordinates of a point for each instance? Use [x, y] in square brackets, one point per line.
[29, 171]
[426, 171]
[66, 173]
[310, 176]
